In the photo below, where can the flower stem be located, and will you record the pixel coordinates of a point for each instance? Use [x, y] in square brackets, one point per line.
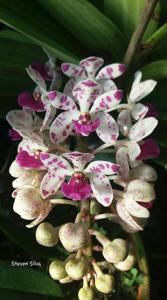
[64, 201]
[105, 216]
[139, 31]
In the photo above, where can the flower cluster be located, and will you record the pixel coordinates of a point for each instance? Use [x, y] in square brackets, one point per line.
[48, 173]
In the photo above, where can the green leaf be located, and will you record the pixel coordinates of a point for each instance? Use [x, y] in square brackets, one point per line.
[30, 19]
[28, 280]
[17, 295]
[88, 25]
[25, 238]
[14, 35]
[155, 46]
[156, 70]
[125, 14]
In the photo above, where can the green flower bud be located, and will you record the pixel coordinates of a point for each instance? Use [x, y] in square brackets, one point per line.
[47, 235]
[57, 270]
[74, 236]
[86, 293]
[76, 268]
[126, 264]
[67, 279]
[95, 207]
[104, 283]
[115, 251]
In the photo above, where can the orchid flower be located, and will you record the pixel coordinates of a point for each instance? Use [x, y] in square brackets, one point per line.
[78, 187]
[87, 69]
[135, 202]
[128, 154]
[91, 114]
[135, 110]
[30, 205]
[42, 90]
[26, 123]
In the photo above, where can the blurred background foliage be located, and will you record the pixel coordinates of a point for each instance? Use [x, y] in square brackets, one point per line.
[72, 30]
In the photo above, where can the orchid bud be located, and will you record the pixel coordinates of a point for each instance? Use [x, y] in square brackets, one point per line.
[115, 251]
[15, 170]
[57, 270]
[126, 264]
[67, 279]
[76, 268]
[104, 283]
[95, 207]
[143, 172]
[73, 236]
[28, 203]
[140, 190]
[86, 293]
[47, 235]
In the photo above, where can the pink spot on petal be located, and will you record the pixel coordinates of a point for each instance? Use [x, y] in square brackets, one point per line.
[89, 83]
[65, 67]
[118, 95]
[44, 156]
[44, 192]
[52, 95]
[107, 200]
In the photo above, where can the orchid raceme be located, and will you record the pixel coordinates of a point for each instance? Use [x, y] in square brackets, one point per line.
[91, 115]
[78, 187]
[61, 160]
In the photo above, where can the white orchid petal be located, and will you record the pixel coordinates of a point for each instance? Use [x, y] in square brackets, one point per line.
[102, 167]
[141, 90]
[107, 101]
[123, 161]
[101, 188]
[52, 161]
[37, 78]
[111, 71]
[91, 64]
[62, 126]
[73, 70]
[108, 130]
[125, 216]
[142, 129]
[61, 101]
[136, 209]
[79, 159]
[85, 92]
[139, 111]
[51, 182]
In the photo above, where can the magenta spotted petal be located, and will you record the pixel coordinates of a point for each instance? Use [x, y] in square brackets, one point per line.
[42, 69]
[25, 160]
[26, 100]
[77, 188]
[149, 149]
[14, 135]
[86, 129]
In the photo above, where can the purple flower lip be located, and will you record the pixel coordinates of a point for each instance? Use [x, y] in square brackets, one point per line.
[77, 188]
[25, 160]
[42, 69]
[84, 125]
[149, 149]
[146, 204]
[14, 135]
[26, 100]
